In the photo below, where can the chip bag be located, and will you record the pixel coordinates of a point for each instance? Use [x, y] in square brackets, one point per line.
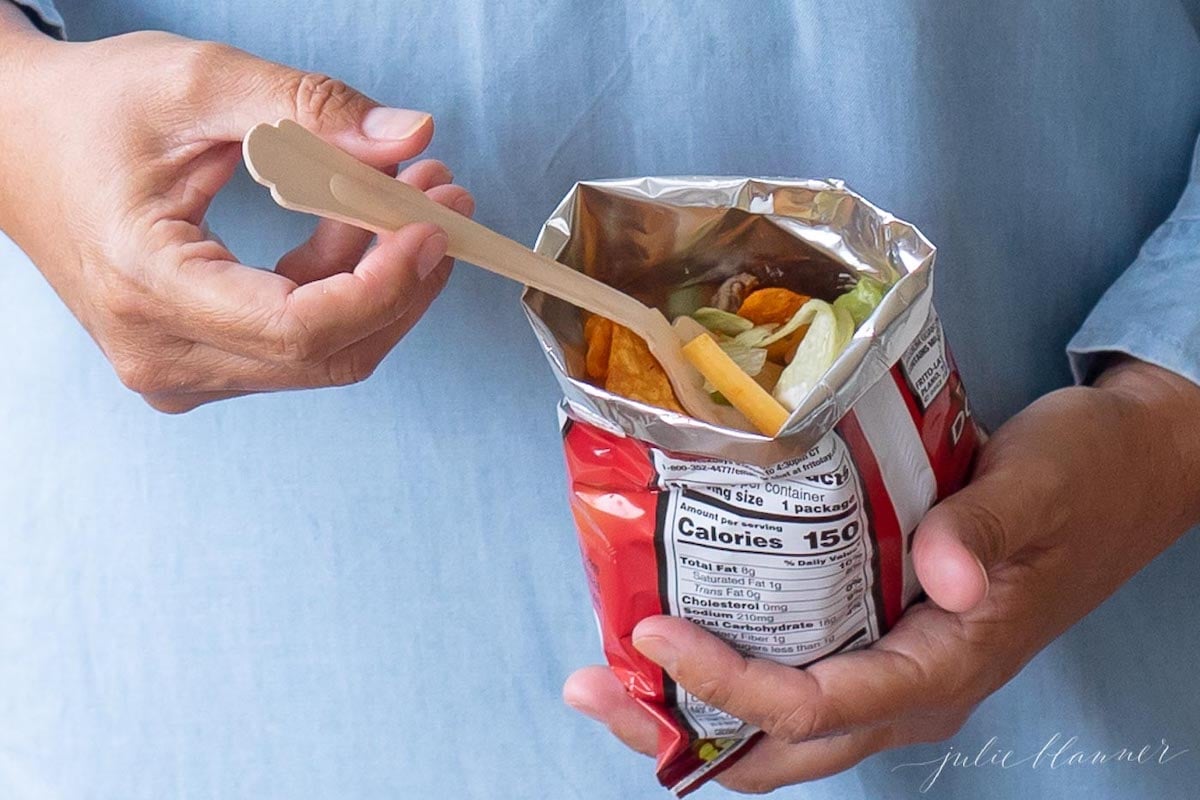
[791, 548]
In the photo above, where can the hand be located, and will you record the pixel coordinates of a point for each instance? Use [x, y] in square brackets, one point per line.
[110, 154]
[1069, 499]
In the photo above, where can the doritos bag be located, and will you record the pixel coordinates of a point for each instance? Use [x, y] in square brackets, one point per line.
[790, 548]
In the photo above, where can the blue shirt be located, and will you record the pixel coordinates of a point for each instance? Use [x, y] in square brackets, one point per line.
[375, 591]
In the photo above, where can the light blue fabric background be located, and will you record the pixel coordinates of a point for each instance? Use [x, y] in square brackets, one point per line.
[1151, 312]
[374, 592]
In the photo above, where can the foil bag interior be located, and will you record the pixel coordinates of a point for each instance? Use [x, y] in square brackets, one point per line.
[651, 236]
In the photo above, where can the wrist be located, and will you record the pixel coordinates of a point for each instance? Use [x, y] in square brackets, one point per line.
[23, 54]
[25, 81]
[1166, 408]
[20, 42]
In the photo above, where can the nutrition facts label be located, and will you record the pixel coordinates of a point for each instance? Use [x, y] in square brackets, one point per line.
[781, 568]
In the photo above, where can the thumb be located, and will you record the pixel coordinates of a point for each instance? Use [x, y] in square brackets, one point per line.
[238, 91]
[970, 533]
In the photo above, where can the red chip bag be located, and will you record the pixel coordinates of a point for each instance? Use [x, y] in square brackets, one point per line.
[792, 548]
[807, 560]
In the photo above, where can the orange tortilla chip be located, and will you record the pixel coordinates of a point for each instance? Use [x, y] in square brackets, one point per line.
[784, 350]
[771, 306]
[597, 333]
[634, 373]
[775, 306]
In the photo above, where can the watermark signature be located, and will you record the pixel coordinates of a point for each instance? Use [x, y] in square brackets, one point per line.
[1058, 752]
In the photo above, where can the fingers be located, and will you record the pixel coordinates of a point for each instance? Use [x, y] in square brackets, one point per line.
[788, 704]
[325, 296]
[819, 721]
[265, 316]
[860, 689]
[357, 362]
[202, 178]
[454, 197]
[596, 692]
[1020, 497]
[236, 91]
[947, 566]
[172, 403]
[333, 247]
[328, 315]
[973, 531]
[337, 247]
[772, 763]
[203, 373]
[917, 684]
[426, 174]
[321, 318]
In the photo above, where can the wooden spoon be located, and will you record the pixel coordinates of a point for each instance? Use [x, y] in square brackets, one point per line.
[305, 173]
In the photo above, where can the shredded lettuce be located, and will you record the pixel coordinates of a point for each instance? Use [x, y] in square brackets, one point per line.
[846, 328]
[831, 327]
[755, 336]
[686, 300]
[803, 316]
[719, 321]
[750, 360]
[860, 301]
[830, 330]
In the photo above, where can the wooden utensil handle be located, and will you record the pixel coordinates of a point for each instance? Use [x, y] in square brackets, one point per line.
[305, 173]
[400, 204]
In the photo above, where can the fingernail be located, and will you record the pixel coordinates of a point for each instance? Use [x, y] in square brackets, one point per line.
[658, 650]
[465, 206]
[431, 254]
[393, 124]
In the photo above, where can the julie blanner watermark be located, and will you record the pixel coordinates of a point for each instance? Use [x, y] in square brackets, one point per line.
[1058, 752]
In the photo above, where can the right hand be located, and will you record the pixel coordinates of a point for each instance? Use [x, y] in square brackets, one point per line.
[110, 154]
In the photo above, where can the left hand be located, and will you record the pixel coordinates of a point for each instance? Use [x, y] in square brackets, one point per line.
[1069, 499]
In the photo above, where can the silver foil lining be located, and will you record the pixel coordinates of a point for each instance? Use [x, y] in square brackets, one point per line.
[650, 236]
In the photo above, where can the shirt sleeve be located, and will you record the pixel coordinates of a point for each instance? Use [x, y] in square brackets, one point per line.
[1152, 312]
[43, 14]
